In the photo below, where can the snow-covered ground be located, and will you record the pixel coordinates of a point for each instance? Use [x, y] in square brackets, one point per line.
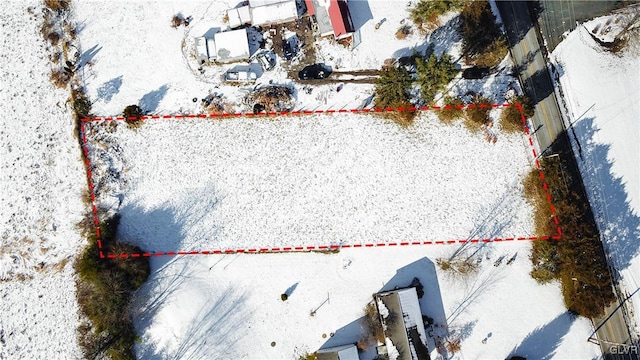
[42, 180]
[368, 178]
[197, 184]
[603, 93]
[234, 308]
[313, 180]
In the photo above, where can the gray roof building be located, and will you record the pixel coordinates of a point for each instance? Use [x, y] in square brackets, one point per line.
[402, 320]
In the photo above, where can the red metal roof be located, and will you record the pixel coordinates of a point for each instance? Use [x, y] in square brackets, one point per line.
[310, 9]
[340, 18]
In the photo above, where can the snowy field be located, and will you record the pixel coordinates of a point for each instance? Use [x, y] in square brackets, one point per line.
[603, 93]
[311, 180]
[235, 311]
[42, 180]
[314, 180]
[200, 184]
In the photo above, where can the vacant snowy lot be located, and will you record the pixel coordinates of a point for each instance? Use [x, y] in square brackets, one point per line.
[312, 180]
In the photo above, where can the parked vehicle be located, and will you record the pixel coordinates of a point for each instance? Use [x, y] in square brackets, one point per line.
[475, 72]
[205, 49]
[314, 72]
[288, 50]
[266, 61]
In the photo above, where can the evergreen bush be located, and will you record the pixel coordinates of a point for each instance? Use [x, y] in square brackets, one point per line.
[433, 74]
[392, 90]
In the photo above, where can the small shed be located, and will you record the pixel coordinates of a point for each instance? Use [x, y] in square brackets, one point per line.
[343, 352]
[265, 12]
[239, 16]
[232, 46]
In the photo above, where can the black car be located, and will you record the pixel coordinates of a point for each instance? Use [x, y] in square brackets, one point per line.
[475, 72]
[314, 72]
[289, 49]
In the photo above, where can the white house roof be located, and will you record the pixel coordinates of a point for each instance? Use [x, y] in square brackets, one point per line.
[239, 16]
[273, 12]
[343, 352]
[232, 45]
[256, 3]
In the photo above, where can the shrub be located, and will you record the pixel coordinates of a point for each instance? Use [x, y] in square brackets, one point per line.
[284, 297]
[453, 346]
[403, 32]
[372, 324]
[104, 290]
[433, 74]
[511, 118]
[578, 260]
[452, 109]
[59, 78]
[309, 356]
[425, 13]
[457, 267]
[177, 21]
[493, 54]
[54, 38]
[132, 115]
[71, 30]
[57, 6]
[476, 114]
[480, 33]
[393, 91]
[81, 104]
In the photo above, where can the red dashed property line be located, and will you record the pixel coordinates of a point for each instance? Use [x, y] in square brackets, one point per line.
[321, 248]
[540, 173]
[309, 248]
[281, 113]
[94, 208]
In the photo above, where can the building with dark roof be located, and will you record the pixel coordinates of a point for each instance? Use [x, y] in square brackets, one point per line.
[402, 322]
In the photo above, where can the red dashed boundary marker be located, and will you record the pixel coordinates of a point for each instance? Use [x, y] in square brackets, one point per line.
[285, 249]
